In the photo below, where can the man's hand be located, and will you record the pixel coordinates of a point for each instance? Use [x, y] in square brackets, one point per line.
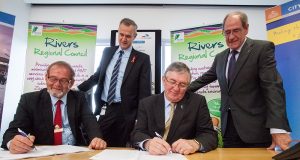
[157, 146]
[97, 143]
[20, 144]
[281, 139]
[184, 146]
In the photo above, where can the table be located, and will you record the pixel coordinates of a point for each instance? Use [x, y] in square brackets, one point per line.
[218, 154]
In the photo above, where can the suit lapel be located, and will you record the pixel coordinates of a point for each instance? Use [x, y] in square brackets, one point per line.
[47, 113]
[71, 107]
[245, 52]
[107, 56]
[177, 118]
[159, 115]
[131, 61]
[223, 66]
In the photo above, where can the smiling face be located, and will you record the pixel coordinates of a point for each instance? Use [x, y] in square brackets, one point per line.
[234, 32]
[175, 84]
[126, 35]
[58, 81]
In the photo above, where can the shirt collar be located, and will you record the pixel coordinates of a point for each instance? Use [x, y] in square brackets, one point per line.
[167, 102]
[55, 99]
[240, 48]
[128, 50]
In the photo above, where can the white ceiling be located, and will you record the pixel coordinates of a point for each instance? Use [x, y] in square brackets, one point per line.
[162, 2]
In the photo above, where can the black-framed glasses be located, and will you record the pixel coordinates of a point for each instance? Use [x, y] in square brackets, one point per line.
[174, 83]
[63, 81]
[236, 31]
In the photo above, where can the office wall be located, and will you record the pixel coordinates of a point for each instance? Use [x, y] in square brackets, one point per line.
[166, 17]
[14, 85]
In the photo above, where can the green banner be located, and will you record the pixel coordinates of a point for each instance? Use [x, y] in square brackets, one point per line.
[197, 48]
[49, 42]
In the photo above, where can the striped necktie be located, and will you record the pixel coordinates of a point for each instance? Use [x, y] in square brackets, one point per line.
[168, 123]
[113, 80]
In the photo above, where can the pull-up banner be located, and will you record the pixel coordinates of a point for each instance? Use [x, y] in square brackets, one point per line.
[49, 42]
[7, 22]
[283, 27]
[197, 47]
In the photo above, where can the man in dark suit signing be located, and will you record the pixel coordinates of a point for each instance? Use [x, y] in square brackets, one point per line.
[55, 115]
[175, 120]
[253, 112]
[123, 78]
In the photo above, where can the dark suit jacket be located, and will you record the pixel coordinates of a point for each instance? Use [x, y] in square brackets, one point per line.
[191, 121]
[256, 95]
[136, 82]
[34, 115]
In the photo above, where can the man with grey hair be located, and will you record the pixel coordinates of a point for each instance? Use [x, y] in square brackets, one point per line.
[253, 109]
[175, 120]
[54, 115]
[122, 78]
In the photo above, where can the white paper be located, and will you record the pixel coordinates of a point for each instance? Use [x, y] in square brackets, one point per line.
[62, 149]
[172, 156]
[42, 151]
[109, 154]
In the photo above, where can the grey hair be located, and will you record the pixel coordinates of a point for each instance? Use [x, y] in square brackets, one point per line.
[242, 15]
[178, 67]
[129, 22]
[63, 64]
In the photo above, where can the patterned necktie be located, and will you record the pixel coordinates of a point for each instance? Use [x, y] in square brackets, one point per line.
[58, 124]
[168, 123]
[113, 80]
[231, 66]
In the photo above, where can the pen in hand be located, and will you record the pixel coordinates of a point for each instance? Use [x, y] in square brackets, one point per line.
[159, 136]
[25, 135]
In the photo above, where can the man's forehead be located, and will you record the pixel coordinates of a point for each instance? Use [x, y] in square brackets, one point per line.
[125, 33]
[176, 75]
[56, 68]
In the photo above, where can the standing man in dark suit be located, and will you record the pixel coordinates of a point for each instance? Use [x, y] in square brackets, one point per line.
[181, 118]
[253, 112]
[123, 78]
[54, 115]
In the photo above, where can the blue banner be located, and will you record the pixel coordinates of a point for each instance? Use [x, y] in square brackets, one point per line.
[285, 32]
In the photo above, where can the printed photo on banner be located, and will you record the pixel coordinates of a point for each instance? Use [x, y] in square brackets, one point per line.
[7, 22]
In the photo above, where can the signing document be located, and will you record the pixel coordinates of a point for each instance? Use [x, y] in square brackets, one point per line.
[109, 154]
[43, 151]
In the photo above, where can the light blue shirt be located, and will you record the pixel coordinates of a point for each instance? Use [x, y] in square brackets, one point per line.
[109, 71]
[167, 109]
[67, 136]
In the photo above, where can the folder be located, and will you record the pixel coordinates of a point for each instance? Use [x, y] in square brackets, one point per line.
[293, 153]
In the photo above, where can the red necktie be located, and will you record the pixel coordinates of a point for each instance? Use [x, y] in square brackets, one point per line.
[58, 124]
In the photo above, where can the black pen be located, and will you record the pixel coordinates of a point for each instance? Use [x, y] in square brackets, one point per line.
[25, 135]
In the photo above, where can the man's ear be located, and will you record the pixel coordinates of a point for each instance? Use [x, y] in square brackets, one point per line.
[71, 84]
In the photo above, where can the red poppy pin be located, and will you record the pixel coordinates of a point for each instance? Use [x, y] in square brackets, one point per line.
[133, 59]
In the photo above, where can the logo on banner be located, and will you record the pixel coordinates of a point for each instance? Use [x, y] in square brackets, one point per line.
[36, 30]
[145, 36]
[179, 37]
